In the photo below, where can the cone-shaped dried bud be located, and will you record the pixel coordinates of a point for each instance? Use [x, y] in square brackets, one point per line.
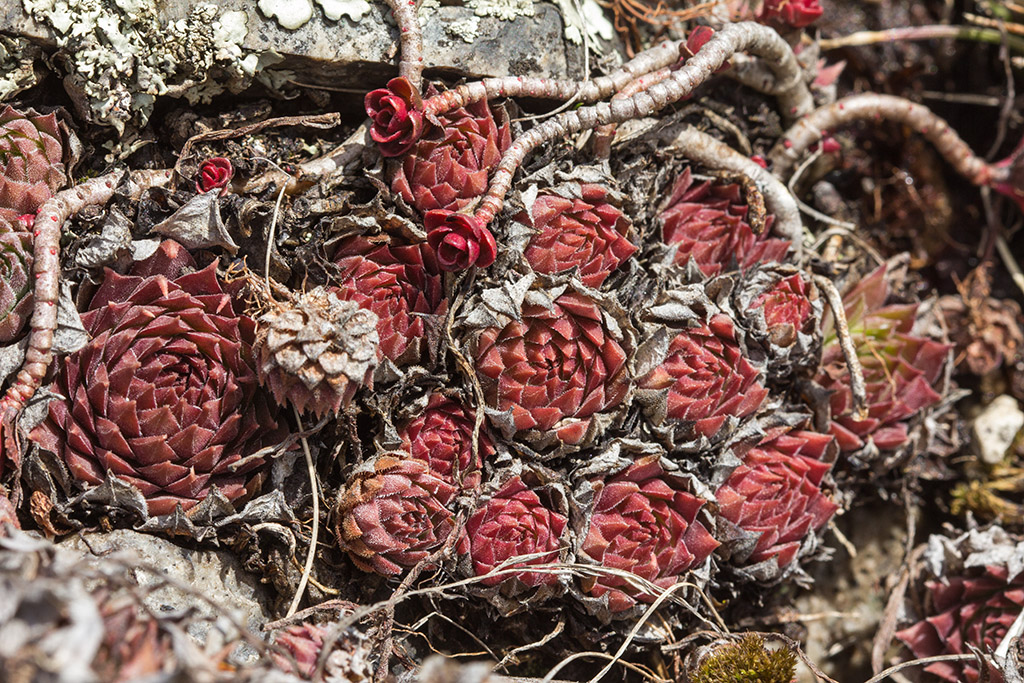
[901, 369]
[791, 13]
[973, 593]
[459, 240]
[15, 283]
[707, 222]
[746, 660]
[986, 332]
[397, 114]
[775, 496]
[555, 368]
[448, 168]
[514, 523]
[578, 228]
[134, 645]
[705, 381]
[646, 523]
[317, 351]
[349, 661]
[165, 394]
[30, 160]
[400, 284]
[394, 514]
[442, 437]
[781, 310]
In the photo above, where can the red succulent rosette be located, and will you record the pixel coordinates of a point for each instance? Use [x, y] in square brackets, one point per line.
[708, 225]
[348, 660]
[397, 114]
[400, 283]
[459, 240]
[15, 282]
[706, 380]
[787, 309]
[646, 523]
[578, 229]
[554, 368]
[165, 395]
[214, 173]
[793, 13]
[31, 170]
[394, 514]
[900, 368]
[442, 437]
[514, 523]
[449, 167]
[775, 494]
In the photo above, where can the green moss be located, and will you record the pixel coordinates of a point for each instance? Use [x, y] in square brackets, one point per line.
[747, 661]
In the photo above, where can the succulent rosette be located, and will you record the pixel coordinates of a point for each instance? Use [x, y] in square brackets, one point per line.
[707, 223]
[901, 369]
[31, 168]
[703, 384]
[164, 396]
[135, 644]
[459, 240]
[401, 284]
[349, 659]
[514, 522]
[397, 114]
[646, 522]
[555, 369]
[577, 227]
[774, 499]
[970, 593]
[442, 437]
[15, 283]
[392, 513]
[449, 167]
[791, 13]
[215, 173]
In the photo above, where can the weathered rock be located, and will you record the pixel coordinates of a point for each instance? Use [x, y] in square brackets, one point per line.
[996, 427]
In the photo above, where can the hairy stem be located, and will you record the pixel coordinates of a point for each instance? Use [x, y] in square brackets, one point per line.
[972, 33]
[873, 107]
[410, 36]
[857, 387]
[746, 36]
[603, 135]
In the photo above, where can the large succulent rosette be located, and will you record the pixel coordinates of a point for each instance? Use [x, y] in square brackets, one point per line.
[449, 167]
[970, 593]
[707, 223]
[392, 513]
[901, 369]
[576, 227]
[165, 395]
[401, 284]
[698, 379]
[553, 371]
[646, 522]
[774, 502]
[442, 437]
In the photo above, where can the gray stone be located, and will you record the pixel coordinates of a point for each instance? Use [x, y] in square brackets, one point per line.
[996, 427]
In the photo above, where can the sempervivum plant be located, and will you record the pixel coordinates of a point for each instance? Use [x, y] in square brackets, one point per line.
[449, 166]
[774, 499]
[577, 226]
[646, 522]
[972, 592]
[164, 396]
[708, 224]
[401, 284]
[317, 351]
[349, 660]
[392, 513]
[554, 369]
[901, 369]
[442, 437]
[15, 288]
[31, 168]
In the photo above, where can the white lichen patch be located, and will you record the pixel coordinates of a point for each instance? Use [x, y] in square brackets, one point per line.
[16, 71]
[336, 9]
[468, 29]
[291, 14]
[120, 56]
[506, 10]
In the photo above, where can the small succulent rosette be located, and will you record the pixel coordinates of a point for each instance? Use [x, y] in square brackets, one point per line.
[965, 598]
[164, 398]
[393, 512]
[31, 160]
[15, 281]
[772, 507]
[399, 281]
[554, 364]
[696, 382]
[450, 165]
[300, 646]
[905, 372]
[643, 526]
[572, 225]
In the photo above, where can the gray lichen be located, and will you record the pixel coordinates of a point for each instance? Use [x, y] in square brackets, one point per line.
[17, 72]
[119, 56]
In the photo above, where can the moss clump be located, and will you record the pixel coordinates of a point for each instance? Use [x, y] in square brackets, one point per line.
[747, 661]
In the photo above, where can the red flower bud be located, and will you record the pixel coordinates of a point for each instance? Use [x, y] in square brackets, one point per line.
[213, 173]
[794, 13]
[459, 240]
[397, 113]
